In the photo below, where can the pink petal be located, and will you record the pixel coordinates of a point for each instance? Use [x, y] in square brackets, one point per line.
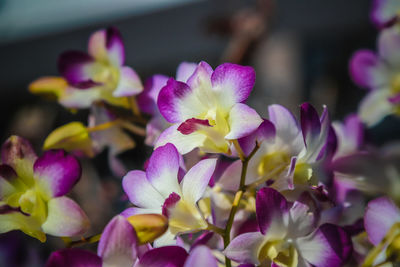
[162, 170]
[65, 218]
[196, 180]
[329, 246]
[118, 243]
[201, 256]
[140, 191]
[57, 172]
[73, 257]
[242, 121]
[168, 256]
[380, 215]
[233, 83]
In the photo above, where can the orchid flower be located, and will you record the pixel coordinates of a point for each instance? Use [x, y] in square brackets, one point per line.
[385, 12]
[288, 153]
[288, 236]
[158, 191]
[97, 75]
[119, 248]
[382, 224]
[147, 100]
[120, 244]
[207, 111]
[32, 192]
[379, 73]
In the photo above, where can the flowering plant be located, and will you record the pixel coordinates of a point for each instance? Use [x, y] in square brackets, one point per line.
[223, 186]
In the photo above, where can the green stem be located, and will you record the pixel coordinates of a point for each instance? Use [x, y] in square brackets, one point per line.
[237, 199]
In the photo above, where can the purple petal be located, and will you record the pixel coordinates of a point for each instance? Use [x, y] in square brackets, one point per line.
[118, 243]
[129, 83]
[367, 70]
[201, 256]
[310, 123]
[191, 125]
[162, 170]
[196, 180]
[271, 209]
[185, 70]
[107, 45]
[65, 218]
[242, 121]
[140, 191]
[73, 257]
[178, 102]
[147, 100]
[380, 215]
[76, 68]
[233, 83]
[57, 172]
[265, 132]
[329, 246]
[245, 248]
[384, 12]
[168, 256]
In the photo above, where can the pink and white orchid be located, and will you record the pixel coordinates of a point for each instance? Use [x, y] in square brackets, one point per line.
[158, 190]
[288, 153]
[32, 192]
[288, 236]
[207, 110]
[97, 75]
[147, 100]
[379, 73]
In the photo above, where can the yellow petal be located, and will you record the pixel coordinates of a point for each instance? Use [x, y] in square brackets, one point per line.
[73, 136]
[50, 86]
[148, 227]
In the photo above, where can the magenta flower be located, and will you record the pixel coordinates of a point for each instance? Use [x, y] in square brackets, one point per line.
[378, 72]
[158, 191]
[289, 153]
[385, 13]
[289, 237]
[97, 75]
[32, 192]
[147, 100]
[208, 111]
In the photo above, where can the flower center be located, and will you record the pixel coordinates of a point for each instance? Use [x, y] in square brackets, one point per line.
[271, 161]
[185, 217]
[281, 252]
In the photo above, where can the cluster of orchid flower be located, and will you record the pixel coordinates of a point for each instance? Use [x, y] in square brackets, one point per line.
[273, 191]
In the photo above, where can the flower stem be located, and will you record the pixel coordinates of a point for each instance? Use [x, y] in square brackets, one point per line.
[215, 229]
[238, 197]
[118, 122]
[88, 240]
[135, 107]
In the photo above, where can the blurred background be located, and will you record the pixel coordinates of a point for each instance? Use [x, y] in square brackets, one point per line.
[300, 50]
